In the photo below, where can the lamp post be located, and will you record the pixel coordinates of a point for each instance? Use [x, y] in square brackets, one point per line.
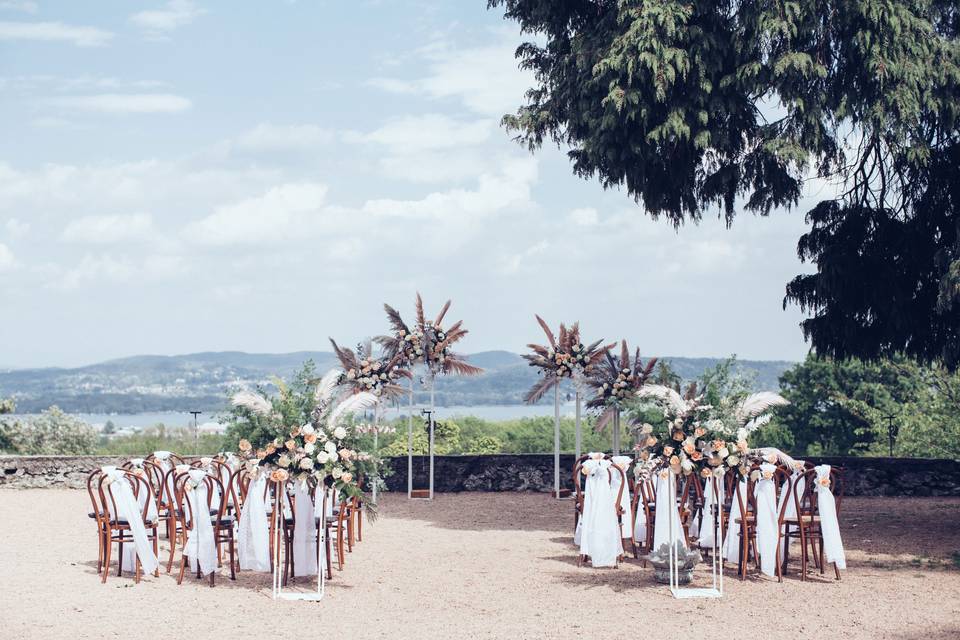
[196, 427]
[891, 431]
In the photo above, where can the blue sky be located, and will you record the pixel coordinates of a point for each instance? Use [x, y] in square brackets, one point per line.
[185, 176]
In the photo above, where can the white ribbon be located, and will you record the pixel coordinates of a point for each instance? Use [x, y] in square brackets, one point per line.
[708, 528]
[304, 538]
[201, 546]
[666, 505]
[827, 505]
[128, 509]
[732, 540]
[766, 495]
[163, 460]
[600, 537]
[253, 535]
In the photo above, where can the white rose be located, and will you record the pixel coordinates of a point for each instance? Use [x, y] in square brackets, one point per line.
[339, 433]
[309, 447]
[723, 452]
[307, 429]
[337, 472]
[330, 447]
[306, 463]
[284, 461]
[323, 457]
[687, 466]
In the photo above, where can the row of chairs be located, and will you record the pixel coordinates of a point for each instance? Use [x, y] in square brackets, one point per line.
[160, 486]
[796, 487]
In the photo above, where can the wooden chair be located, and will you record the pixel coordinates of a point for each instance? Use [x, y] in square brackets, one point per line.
[747, 520]
[805, 525]
[617, 508]
[117, 529]
[578, 487]
[162, 479]
[97, 515]
[187, 513]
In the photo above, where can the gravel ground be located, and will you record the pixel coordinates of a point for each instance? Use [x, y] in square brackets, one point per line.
[482, 566]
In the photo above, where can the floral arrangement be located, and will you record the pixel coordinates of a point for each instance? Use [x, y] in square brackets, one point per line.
[362, 371]
[694, 441]
[615, 380]
[427, 342]
[323, 448]
[565, 357]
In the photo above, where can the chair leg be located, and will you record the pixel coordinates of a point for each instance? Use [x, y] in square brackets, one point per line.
[360, 522]
[106, 561]
[156, 550]
[820, 544]
[326, 542]
[803, 554]
[744, 551]
[233, 564]
[120, 556]
[183, 567]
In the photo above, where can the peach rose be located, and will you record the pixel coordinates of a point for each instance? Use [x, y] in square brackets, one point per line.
[245, 445]
[668, 451]
[705, 473]
[742, 446]
[290, 444]
[696, 455]
[310, 438]
[279, 475]
[678, 436]
[674, 461]
[699, 431]
[271, 448]
[651, 441]
[689, 448]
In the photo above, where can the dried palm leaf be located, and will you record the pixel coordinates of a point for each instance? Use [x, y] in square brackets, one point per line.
[540, 388]
[546, 330]
[443, 312]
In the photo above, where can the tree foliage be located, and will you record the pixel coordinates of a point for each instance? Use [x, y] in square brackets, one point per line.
[53, 432]
[695, 104]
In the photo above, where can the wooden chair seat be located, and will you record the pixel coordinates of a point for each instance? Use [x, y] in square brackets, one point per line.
[806, 518]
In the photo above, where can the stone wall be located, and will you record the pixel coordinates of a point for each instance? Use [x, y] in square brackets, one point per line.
[524, 472]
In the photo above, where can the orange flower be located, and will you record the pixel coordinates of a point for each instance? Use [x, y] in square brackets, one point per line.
[651, 440]
[674, 461]
[699, 431]
[310, 438]
[290, 444]
[245, 445]
[696, 456]
[271, 448]
[279, 475]
[824, 481]
[742, 446]
[678, 436]
[689, 448]
[668, 451]
[719, 444]
[294, 432]
[705, 472]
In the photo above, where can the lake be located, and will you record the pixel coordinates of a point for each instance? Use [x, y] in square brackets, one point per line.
[175, 419]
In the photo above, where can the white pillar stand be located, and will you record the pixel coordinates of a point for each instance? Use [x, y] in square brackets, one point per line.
[376, 448]
[577, 434]
[616, 432]
[556, 439]
[716, 562]
[433, 379]
[310, 596]
[410, 443]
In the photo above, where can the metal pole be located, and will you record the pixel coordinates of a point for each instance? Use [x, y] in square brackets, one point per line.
[556, 440]
[616, 432]
[433, 379]
[577, 430]
[410, 444]
[376, 432]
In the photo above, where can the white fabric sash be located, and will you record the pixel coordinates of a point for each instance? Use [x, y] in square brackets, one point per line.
[623, 462]
[304, 538]
[667, 509]
[600, 537]
[253, 537]
[827, 505]
[201, 546]
[128, 509]
[708, 527]
[163, 459]
[732, 540]
[766, 495]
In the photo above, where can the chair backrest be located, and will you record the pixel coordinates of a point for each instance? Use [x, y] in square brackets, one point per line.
[138, 484]
[186, 508]
[93, 490]
[748, 502]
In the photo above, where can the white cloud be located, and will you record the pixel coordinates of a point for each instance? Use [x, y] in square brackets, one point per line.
[109, 229]
[174, 14]
[124, 103]
[410, 134]
[495, 192]
[98, 268]
[55, 32]
[486, 79]
[19, 5]
[7, 260]
[270, 137]
[584, 216]
[17, 228]
[512, 264]
[281, 213]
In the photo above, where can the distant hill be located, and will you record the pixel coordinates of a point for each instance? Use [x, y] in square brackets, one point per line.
[202, 380]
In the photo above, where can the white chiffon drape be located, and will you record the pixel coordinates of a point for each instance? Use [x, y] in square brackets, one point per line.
[600, 535]
[829, 526]
[666, 506]
[253, 532]
[129, 508]
[201, 545]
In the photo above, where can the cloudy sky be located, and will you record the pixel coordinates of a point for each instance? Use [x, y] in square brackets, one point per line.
[192, 176]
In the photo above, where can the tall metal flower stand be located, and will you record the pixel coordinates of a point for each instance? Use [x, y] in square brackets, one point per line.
[616, 432]
[279, 557]
[421, 494]
[715, 590]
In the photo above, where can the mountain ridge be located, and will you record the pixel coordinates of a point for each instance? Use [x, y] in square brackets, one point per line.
[142, 383]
